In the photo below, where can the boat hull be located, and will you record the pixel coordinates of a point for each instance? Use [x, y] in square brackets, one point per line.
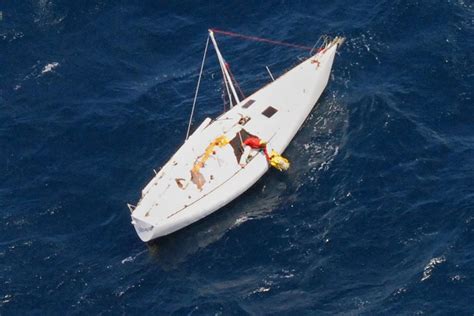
[293, 96]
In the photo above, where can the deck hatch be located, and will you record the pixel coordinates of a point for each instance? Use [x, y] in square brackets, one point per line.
[269, 111]
[248, 104]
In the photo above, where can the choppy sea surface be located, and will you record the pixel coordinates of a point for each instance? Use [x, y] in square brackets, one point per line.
[375, 216]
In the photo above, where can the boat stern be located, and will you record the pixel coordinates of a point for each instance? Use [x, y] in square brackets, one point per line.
[145, 230]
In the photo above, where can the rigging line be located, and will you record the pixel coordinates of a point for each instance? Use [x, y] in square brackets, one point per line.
[259, 39]
[197, 89]
[231, 104]
[223, 96]
[235, 81]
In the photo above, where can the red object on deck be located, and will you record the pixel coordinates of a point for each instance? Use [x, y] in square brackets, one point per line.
[256, 143]
[253, 142]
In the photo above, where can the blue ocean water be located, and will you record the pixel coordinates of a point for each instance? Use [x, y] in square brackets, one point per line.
[376, 215]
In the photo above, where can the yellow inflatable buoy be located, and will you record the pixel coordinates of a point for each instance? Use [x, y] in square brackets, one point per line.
[278, 161]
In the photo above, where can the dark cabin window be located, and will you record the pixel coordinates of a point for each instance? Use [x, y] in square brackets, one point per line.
[248, 104]
[269, 111]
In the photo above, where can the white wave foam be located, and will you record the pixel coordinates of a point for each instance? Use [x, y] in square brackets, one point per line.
[49, 67]
[241, 220]
[323, 144]
[132, 258]
[457, 277]
[261, 290]
[428, 270]
[128, 259]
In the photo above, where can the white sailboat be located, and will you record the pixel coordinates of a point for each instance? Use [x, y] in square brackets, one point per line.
[208, 170]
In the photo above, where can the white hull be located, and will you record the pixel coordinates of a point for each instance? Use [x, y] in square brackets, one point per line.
[172, 200]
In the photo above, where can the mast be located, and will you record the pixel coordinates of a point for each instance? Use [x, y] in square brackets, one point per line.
[222, 63]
